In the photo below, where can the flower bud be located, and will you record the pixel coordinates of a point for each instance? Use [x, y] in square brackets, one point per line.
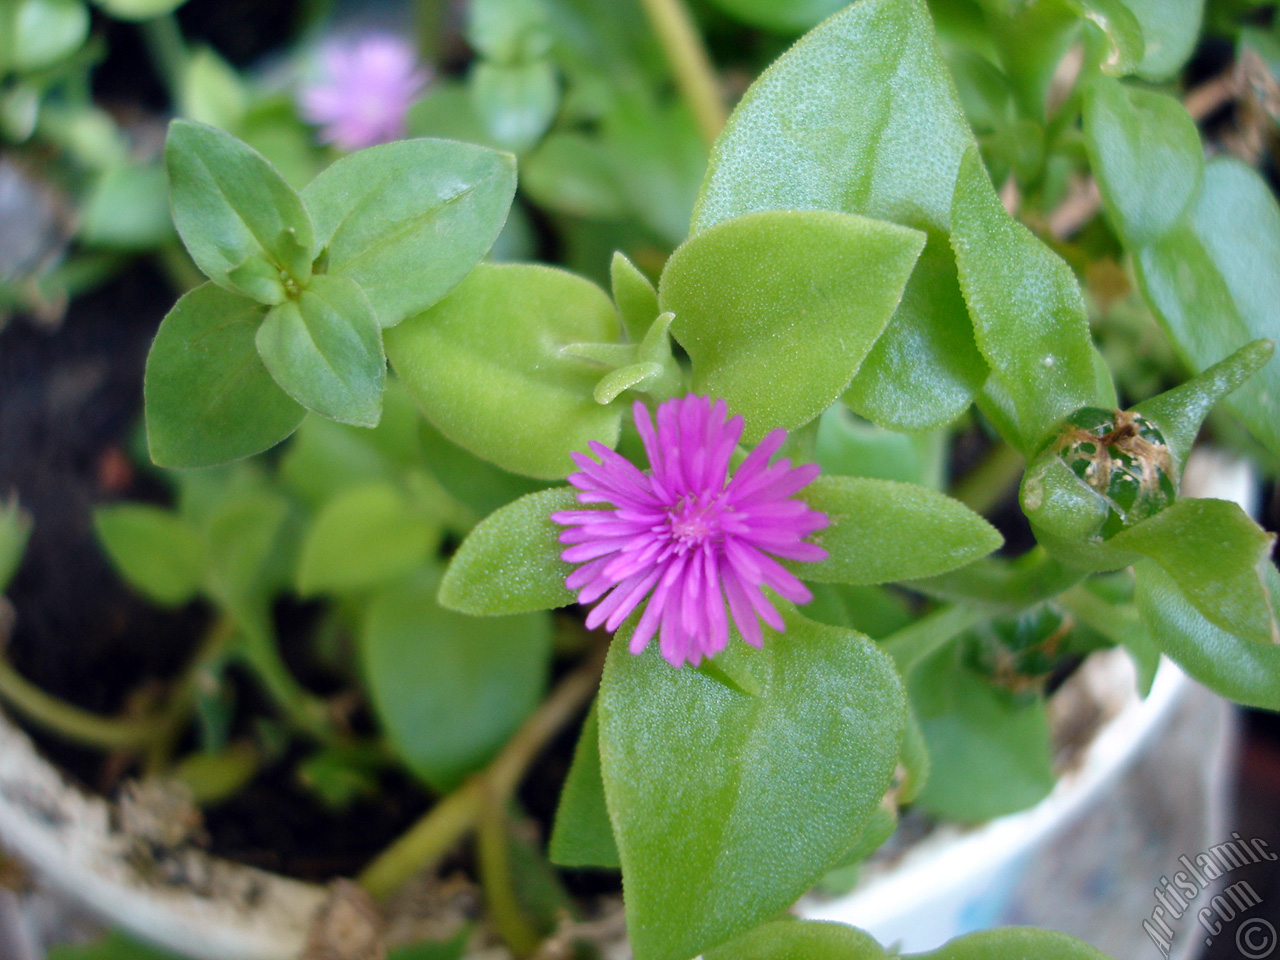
[1123, 458]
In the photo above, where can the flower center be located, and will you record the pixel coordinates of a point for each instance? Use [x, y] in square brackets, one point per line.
[695, 521]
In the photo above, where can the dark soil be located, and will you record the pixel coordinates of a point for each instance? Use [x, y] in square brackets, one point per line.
[69, 400]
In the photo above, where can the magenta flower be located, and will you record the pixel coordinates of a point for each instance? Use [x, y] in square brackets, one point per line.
[364, 89]
[687, 536]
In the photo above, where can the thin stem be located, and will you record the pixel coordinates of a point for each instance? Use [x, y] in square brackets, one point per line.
[929, 634]
[168, 51]
[181, 700]
[72, 723]
[1118, 623]
[494, 858]
[983, 487]
[453, 817]
[261, 653]
[695, 75]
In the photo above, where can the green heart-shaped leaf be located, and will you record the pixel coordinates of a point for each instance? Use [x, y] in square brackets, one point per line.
[450, 690]
[367, 534]
[510, 562]
[408, 220]
[1236, 667]
[241, 222]
[155, 550]
[989, 751]
[1029, 316]
[801, 940]
[1014, 943]
[778, 309]
[882, 531]
[706, 785]
[1214, 283]
[1145, 150]
[832, 126]
[1219, 559]
[209, 398]
[486, 366]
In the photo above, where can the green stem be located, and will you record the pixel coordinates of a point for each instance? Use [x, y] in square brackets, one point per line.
[1117, 623]
[985, 486]
[456, 815]
[929, 634]
[72, 723]
[302, 708]
[168, 51]
[182, 700]
[695, 75]
[494, 859]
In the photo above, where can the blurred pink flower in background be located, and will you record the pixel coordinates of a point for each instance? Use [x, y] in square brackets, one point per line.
[362, 89]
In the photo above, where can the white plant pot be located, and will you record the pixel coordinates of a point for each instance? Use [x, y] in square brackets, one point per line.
[1087, 859]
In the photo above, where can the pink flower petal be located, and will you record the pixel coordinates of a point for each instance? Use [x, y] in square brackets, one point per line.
[683, 534]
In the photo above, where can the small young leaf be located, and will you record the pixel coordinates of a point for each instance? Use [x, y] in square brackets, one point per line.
[583, 835]
[408, 220]
[210, 91]
[801, 940]
[157, 551]
[235, 212]
[1236, 667]
[882, 531]
[831, 126]
[989, 754]
[503, 388]
[1214, 282]
[792, 17]
[209, 398]
[705, 783]
[510, 562]
[636, 300]
[778, 309]
[450, 690]
[1120, 30]
[366, 535]
[509, 31]
[632, 376]
[325, 350]
[1028, 313]
[1146, 154]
